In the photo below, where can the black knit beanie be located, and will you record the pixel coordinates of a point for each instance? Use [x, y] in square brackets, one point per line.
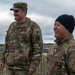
[67, 21]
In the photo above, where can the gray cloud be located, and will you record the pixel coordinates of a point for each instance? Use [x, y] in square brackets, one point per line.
[44, 12]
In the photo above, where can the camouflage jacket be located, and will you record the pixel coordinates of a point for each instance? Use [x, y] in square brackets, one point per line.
[23, 45]
[61, 58]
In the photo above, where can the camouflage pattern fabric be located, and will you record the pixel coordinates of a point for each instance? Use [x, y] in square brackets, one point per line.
[23, 46]
[7, 71]
[61, 59]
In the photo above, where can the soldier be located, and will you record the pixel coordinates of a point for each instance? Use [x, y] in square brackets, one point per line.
[61, 58]
[23, 44]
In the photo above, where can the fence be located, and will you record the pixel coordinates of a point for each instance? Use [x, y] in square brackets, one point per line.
[42, 68]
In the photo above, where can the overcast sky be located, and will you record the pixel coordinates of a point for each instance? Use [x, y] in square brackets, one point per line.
[44, 12]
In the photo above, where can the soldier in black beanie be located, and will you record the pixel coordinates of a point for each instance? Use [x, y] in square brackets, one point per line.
[67, 21]
[61, 58]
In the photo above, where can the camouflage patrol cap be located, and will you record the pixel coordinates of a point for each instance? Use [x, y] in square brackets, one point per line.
[19, 6]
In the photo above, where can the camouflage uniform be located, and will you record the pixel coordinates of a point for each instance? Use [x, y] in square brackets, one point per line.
[61, 59]
[23, 48]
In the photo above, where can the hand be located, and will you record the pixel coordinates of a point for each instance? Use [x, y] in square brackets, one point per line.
[1, 65]
[32, 71]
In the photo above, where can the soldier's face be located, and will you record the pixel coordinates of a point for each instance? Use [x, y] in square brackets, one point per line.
[19, 14]
[60, 31]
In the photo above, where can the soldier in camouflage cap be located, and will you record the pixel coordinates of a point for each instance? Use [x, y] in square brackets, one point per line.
[23, 44]
[61, 58]
[19, 6]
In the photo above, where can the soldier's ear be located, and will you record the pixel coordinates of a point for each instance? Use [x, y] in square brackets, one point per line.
[24, 12]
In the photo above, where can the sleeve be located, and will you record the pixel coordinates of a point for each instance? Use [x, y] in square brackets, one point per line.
[4, 49]
[37, 45]
[4, 52]
[71, 62]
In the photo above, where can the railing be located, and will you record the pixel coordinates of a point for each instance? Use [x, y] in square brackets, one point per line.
[42, 69]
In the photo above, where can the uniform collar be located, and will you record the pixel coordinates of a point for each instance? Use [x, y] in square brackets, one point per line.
[70, 36]
[27, 20]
